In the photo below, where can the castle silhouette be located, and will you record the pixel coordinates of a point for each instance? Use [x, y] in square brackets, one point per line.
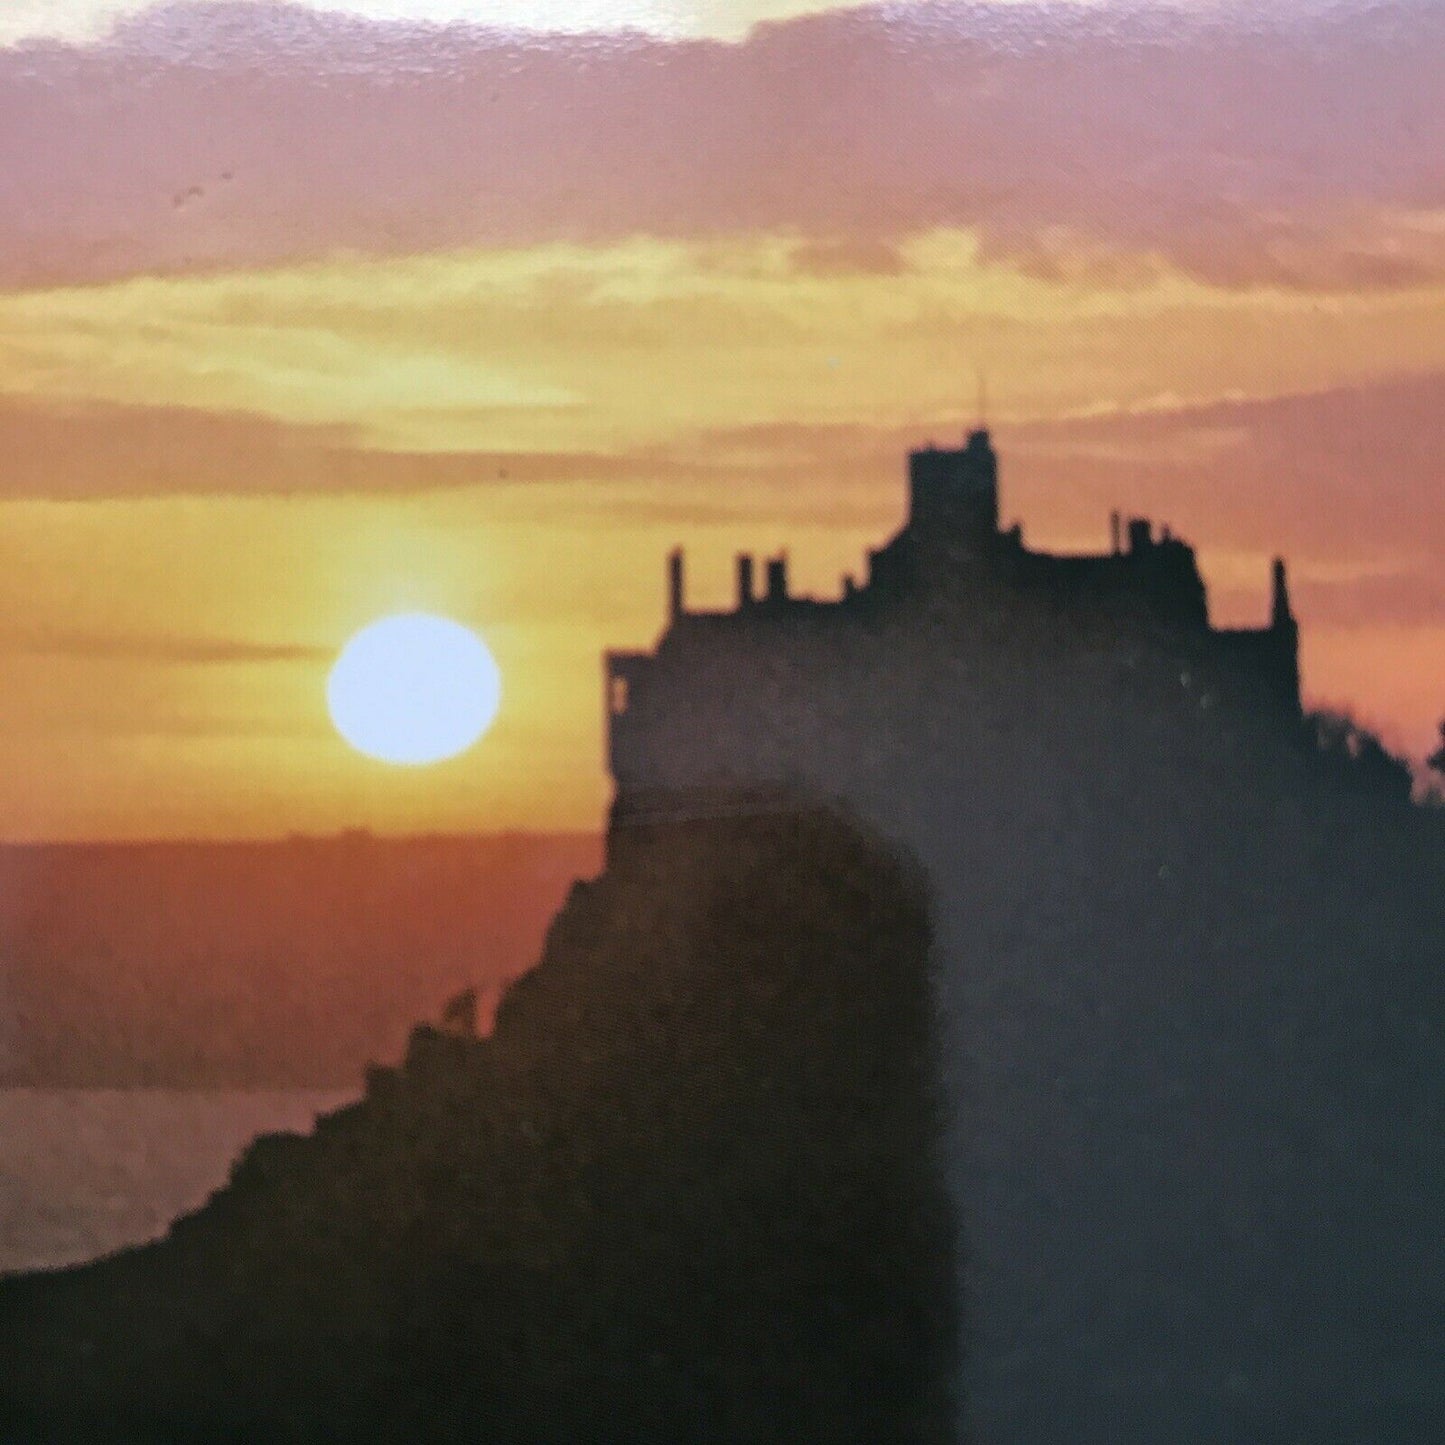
[687, 714]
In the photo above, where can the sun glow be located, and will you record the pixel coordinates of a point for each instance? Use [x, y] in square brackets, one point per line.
[413, 689]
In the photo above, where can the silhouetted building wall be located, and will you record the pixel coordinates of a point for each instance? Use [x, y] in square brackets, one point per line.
[973, 591]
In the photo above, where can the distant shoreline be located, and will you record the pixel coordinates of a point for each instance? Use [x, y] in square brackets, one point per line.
[343, 836]
[187, 1090]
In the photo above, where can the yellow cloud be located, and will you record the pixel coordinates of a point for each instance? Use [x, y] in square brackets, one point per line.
[565, 347]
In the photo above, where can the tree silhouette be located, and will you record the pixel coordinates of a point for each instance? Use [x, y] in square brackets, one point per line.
[1435, 792]
[1358, 756]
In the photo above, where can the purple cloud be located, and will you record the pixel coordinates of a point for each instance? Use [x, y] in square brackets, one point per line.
[1293, 147]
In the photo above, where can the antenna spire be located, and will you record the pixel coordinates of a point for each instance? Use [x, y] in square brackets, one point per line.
[982, 380]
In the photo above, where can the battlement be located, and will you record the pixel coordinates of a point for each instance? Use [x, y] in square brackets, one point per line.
[952, 539]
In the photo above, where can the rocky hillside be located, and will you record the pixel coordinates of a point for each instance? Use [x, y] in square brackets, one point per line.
[687, 1191]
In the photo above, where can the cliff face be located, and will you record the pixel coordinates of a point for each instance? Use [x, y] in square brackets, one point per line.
[688, 1191]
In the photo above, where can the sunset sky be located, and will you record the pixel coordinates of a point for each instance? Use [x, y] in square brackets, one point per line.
[308, 317]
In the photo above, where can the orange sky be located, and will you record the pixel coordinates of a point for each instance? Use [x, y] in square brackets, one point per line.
[297, 332]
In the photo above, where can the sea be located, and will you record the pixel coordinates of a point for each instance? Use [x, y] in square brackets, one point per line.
[85, 1172]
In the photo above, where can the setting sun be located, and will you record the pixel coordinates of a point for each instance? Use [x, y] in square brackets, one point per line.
[413, 689]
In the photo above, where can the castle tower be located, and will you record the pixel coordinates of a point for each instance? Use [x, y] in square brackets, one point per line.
[953, 494]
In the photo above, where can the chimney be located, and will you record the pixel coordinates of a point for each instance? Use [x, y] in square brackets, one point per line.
[1141, 535]
[745, 580]
[674, 584]
[1116, 533]
[778, 578]
[1280, 614]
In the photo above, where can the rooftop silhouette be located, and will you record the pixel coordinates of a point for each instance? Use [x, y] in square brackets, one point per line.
[951, 574]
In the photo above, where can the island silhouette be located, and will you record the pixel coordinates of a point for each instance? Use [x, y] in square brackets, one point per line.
[1003, 1014]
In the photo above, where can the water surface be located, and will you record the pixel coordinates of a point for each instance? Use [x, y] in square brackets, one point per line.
[84, 1172]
